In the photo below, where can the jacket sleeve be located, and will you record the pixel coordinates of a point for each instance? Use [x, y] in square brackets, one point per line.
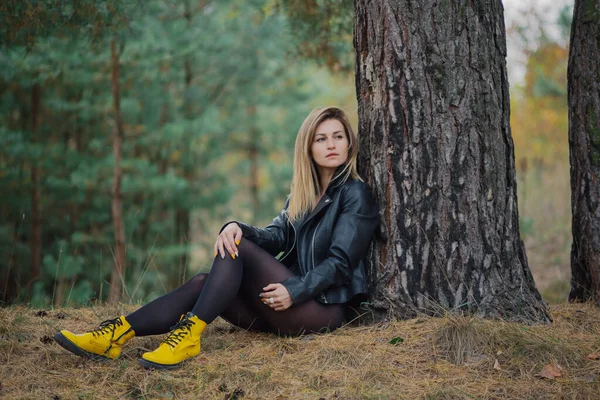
[272, 238]
[350, 240]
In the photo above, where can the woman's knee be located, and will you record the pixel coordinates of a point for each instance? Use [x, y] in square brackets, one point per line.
[197, 281]
[245, 245]
[249, 251]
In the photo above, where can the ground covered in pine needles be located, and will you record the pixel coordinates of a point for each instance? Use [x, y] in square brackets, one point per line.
[423, 358]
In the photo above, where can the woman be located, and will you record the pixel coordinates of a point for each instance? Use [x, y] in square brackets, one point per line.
[322, 235]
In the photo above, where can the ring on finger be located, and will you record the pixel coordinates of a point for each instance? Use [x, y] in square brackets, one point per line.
[271, 301]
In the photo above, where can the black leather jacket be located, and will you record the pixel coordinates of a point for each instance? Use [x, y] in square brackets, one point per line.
[330, 243]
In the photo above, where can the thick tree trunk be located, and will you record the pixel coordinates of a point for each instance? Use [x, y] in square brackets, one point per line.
[436, 147]
[36, 213]
[584, 145]
[116, 281]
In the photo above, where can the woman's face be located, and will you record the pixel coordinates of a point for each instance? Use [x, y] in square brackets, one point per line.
[329, 148]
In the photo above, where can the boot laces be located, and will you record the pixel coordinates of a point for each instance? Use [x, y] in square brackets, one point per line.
[107, 326]
[179, 331]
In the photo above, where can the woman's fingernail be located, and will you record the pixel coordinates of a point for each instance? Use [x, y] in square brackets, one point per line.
[237, 241]
[215, 254]
[237, 254]
[222, 256]
[233, 256]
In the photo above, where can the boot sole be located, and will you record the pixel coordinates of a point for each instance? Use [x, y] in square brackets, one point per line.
[73, 348]
[152, 365]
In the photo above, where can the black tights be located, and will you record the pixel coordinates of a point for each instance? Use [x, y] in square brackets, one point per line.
[231, 291]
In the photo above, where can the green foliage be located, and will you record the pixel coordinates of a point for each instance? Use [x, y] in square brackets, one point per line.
[396, 341]
[202, 86]
[539, 109]
[25, 22]
[324, 30]
[526, 226]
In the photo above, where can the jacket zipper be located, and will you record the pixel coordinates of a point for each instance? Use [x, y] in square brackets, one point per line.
[313, 254]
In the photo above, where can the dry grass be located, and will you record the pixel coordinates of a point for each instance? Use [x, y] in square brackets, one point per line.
[439, 358]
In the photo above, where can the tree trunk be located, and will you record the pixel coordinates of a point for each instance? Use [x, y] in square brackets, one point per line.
[36, 214]
[182, 215]
[253, 155]
[116, 281]
[9, 282]
[584, 145]
[437, 150]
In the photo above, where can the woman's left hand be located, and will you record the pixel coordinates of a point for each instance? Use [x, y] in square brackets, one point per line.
[276, 296]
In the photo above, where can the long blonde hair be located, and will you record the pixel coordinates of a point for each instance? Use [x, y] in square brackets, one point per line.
[305, 189]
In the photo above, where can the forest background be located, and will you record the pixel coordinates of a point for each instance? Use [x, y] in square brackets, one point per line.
[211, 97]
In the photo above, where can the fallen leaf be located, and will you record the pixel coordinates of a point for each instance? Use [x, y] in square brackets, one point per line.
[497, 365]
[551, 371]
[593, 356]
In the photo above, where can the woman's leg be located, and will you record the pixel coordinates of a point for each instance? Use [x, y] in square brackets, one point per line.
[161, 314]
[232, 290]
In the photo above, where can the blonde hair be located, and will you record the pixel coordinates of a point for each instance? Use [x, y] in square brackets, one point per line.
[305, 188]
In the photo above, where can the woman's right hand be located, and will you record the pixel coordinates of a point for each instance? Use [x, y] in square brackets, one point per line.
[228, 240]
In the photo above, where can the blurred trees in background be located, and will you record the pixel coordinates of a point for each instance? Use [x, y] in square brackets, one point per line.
[539, 123]
[210, 98]
[539, 117]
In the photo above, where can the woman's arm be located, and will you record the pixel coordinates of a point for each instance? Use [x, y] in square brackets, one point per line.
[350, 240]
[272, 238]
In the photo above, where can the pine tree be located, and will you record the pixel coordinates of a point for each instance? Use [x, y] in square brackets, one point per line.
[584, 147]
[436, 147]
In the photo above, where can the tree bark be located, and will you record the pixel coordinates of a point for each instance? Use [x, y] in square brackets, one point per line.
[584, 150]
[36, 213]
[436, 148]
[116, 281]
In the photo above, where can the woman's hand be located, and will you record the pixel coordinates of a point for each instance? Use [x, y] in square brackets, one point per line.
[228, 240]
[276, 296]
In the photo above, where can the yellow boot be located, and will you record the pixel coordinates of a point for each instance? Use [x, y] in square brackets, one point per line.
[182, 343]
[103, 343]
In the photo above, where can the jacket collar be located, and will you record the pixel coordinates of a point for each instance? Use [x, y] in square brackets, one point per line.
[332, 188]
